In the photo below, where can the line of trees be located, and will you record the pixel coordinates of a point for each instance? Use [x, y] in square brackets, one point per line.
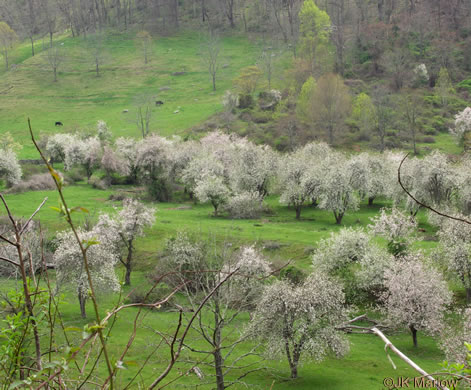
[234, 175]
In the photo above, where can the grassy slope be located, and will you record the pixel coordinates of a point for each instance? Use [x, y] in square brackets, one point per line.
[79, 98]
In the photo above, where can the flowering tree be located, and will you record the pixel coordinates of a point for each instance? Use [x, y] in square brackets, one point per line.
[338, 194]
[253, 169]
[102, 254]
[202, 266]
[301, 175]
[212, 189]
[340, 249]
[103, 132]
[127, 153]
[455, 245]
[396, 227]
[10, 168]
[416, 296]
[153, 160]
[129, 224]
[297, 320]
[57, 144]
[462, 125]
[351, 255]
[86, 153]
[369, 175]
[453, 339]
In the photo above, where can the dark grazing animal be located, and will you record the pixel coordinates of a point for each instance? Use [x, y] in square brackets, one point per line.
[159, 102]
[59, 124]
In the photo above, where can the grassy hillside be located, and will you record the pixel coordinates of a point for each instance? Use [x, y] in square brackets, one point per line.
[79, 98]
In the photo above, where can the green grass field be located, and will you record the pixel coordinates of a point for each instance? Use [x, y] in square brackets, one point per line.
[79, 98]
[366, 365]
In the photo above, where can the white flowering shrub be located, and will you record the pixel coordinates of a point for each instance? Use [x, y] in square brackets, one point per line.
[230, 101]
[275, 95]
[416, 296]
[462, 125]
[103, 131]
[397, 227]
[245, 205]
[341, 249]
[421, 72]
[10, 168]
[301, 320]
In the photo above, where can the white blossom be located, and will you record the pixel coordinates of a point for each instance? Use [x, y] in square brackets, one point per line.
[395, 226]
[244, 205]
[416, 296]
[301, 318]
[462, 124]
[212, 189]
[10, 168]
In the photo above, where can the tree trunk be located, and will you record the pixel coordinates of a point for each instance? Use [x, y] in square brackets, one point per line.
[214, 82]
[468, 295]
[218, 359]
[414, 335]
[215, 209]
[294, 371]
[218, 365]
[298, 212]
[32, 45]
[5, 54]
[128, 264]
[370, 200]
[338, 218]
[55, 74]
[82, 301]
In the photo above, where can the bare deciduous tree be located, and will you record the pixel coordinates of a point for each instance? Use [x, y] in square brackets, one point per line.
[7, 38]
[55, 57]
[211, 50]
[145, 42]
[143, 105]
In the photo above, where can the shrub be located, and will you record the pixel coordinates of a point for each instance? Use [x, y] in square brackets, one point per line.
[97, 183]
[141, 295]
[292, 274]
[428, 140]
[244, 205]
[75, 175]
[245, 101]
[39, 182]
